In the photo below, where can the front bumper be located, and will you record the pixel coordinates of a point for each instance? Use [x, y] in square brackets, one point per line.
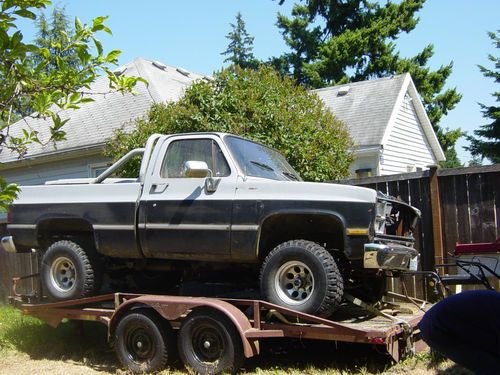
[390, 257]
[8, 244]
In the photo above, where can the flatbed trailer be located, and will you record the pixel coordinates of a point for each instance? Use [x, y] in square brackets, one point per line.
[217, 334]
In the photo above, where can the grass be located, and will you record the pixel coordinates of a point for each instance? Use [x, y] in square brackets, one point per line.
[27, 346]
[74, 340]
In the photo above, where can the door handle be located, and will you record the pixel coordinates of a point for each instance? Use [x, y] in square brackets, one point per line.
[158, 188]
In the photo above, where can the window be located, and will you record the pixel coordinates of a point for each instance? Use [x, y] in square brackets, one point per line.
[95, 170]
[207, 150]
[363, 173]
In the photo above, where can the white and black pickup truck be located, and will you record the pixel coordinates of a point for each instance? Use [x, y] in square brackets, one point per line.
[215, 200]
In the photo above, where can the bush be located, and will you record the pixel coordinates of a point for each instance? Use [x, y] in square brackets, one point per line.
[259, 105]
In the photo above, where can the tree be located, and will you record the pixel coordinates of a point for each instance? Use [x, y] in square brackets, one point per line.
[260, 105]
[54, 32]
[240, 48]
[486, 142]
[339, 41]
[28, 87]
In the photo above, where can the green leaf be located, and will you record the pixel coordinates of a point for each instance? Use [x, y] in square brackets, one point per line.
[25, 14]
[112, 57]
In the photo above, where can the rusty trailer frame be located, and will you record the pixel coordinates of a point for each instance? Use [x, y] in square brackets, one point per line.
[254, 320]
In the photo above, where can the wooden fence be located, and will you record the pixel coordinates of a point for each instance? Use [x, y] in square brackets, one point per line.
[458, 205]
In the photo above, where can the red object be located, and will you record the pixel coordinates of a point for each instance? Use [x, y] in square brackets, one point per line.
[476, 248]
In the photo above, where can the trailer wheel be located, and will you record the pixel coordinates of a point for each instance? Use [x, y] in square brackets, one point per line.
[143, 342]
[303, 276]
[209, 343]
[68, 272]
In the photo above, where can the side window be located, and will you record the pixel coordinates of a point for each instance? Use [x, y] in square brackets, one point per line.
[207, 150]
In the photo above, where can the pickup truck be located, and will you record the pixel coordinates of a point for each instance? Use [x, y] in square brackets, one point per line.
[215, 200]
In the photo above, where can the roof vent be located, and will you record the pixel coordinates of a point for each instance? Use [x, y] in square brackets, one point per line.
[159, 65]
[119, 71]
[208, 78]
[184, 72]
[343, 91]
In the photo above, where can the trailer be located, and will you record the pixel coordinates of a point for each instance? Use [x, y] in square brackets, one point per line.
[214, 335]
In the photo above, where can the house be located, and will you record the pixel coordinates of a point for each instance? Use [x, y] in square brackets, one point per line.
[388, 123]
[385, 117]
[89, 127]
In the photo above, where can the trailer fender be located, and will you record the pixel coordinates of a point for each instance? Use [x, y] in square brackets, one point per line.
[175, 308]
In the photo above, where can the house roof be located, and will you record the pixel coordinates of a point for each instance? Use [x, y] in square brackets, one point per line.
[369, 108]
[93, 123]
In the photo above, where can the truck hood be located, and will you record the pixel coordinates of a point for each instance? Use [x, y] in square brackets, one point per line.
[299, 190]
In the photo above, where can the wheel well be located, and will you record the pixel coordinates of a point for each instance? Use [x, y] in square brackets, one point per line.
[327, 230]
[51, 230]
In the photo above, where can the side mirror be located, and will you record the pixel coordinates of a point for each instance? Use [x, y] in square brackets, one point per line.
[199, 169]
[194, 168]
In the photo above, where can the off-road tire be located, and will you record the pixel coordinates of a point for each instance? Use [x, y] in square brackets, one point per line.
[328, 287]
[154, 334]
[69, 256]
[224, 351]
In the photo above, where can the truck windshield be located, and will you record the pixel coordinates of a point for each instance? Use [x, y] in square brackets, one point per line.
[260, 161]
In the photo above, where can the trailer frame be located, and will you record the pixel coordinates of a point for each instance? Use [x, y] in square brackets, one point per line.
[394, 329]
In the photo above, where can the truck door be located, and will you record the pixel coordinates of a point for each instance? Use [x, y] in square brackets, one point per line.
[178, 217]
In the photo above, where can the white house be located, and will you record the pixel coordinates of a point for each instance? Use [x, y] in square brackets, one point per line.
[388, 123]
[385, 117]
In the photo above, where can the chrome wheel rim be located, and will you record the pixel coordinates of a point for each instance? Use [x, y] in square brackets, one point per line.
[294, 283]
[63, 274]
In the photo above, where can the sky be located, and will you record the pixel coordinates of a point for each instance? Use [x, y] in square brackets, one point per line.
[192, 34]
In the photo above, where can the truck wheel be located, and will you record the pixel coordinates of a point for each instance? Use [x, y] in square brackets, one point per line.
[143, 341]
[209, 343]
[303, 276]
[67, 272]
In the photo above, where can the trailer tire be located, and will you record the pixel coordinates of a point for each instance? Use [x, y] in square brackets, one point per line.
[68, 272]
[143, 342]
[209, 343]
[303, 276]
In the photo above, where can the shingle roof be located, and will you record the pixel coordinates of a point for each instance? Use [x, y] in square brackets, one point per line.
[366, 107]
[96, 121]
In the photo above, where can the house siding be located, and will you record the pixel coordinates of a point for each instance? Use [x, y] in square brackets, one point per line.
[40, 173]
[407, 147]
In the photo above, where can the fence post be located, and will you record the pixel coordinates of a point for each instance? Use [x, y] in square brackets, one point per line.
[436, 217]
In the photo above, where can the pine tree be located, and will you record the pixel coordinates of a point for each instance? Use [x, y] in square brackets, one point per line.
[486, 144]
[240, 48]
[339, 41]
[55, 34]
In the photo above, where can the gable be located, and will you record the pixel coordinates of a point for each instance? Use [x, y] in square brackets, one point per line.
[406, 147]
[365, 107]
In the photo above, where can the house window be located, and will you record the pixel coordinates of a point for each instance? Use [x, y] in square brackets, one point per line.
[95, 170]
[362, 173]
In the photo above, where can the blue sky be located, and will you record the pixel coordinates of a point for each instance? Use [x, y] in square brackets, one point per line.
[191, 34]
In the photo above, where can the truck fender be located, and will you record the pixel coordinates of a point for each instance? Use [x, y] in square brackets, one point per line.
[176, 307]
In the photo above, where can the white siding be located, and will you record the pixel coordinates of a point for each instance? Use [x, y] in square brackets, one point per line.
[407, 146]
[38, 174]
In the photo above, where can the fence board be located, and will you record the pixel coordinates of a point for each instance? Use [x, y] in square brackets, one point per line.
[447, 191]
[476, 220]
[487, 207]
